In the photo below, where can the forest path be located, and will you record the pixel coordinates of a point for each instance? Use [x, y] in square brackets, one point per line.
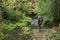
[44, 34]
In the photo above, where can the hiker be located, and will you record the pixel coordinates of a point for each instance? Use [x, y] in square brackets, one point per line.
[40, 21]
[37, 22]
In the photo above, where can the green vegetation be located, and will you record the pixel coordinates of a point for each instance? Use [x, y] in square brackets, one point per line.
[15, 17]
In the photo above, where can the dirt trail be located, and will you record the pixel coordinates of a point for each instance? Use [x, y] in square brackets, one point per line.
[44, 34]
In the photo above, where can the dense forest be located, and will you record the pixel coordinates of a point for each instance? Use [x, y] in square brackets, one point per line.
[16, 17]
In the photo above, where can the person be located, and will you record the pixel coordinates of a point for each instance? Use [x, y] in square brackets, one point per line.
[40, 21]
[37, 22]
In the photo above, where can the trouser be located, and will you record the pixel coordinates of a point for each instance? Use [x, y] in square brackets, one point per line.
[40, 27]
